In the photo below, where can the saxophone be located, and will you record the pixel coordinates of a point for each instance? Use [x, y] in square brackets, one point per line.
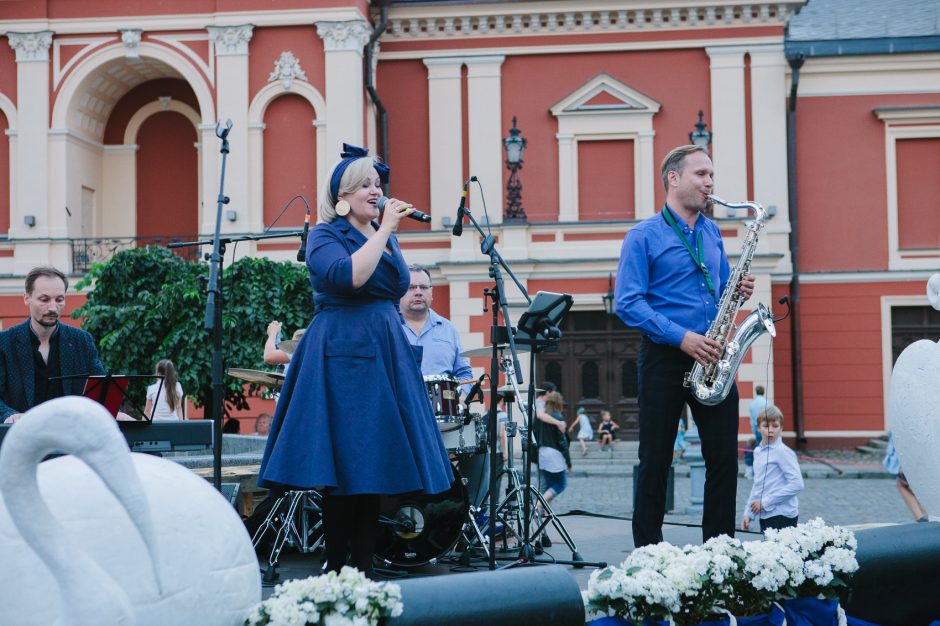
[711, 383]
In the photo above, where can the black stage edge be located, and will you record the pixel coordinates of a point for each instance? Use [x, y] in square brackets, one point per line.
[528, 596]
[896, 582]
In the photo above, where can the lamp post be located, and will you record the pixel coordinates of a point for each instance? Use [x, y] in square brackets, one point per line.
[700, 137]
[514, 145]
[608, 297]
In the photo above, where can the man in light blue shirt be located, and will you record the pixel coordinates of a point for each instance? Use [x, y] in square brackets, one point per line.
[673, 270]
[439, 340]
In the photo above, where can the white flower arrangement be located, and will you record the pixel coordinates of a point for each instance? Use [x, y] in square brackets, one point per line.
[687, 585]
[345, 599]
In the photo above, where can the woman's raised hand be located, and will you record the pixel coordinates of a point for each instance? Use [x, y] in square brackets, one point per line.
[394, 211]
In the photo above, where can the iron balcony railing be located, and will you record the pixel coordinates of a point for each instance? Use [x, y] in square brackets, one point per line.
[87, 252]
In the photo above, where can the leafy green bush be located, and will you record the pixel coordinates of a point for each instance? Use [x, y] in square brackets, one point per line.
[148, 304]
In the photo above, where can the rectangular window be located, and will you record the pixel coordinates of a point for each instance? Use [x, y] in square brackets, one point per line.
[605, 180]
[918, 163]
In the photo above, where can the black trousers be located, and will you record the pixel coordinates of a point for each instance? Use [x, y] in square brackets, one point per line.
[350, 529]
[662, 370]
[778, 522]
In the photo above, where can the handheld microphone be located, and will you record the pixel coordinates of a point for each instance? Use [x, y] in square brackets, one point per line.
[458, 225]
[302, 251]
[415, 213]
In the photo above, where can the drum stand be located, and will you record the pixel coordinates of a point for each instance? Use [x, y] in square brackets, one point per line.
[282, 519]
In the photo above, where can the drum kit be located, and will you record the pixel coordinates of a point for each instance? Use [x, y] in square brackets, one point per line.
[416, 529]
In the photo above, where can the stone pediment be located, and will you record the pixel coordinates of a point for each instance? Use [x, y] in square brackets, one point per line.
[605, 94]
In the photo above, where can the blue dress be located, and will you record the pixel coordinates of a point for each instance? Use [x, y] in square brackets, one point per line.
[354, 414]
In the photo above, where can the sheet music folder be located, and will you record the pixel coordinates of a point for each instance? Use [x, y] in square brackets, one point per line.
[108, 391]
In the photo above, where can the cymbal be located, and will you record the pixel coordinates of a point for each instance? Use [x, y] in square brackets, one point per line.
[507, 391]
[271, 379]
[288, 345]
[487, 350]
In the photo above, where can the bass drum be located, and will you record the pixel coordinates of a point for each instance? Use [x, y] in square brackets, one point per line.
[416, 528]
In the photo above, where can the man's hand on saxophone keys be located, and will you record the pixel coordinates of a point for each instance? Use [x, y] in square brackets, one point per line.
[746, 288]
[700, 348]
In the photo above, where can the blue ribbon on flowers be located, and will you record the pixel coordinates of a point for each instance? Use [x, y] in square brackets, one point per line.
[349, 154]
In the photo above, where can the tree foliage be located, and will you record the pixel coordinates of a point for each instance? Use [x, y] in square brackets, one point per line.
[148, 304]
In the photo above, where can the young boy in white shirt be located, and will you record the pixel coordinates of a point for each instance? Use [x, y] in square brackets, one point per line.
[777, 477]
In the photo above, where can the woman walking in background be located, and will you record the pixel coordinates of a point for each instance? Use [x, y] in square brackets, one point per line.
[168, 398]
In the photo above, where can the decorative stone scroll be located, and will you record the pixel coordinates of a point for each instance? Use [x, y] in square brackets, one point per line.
[130, 37]
[230, 40]
[31, 46]
[350, 35]
[286, 69]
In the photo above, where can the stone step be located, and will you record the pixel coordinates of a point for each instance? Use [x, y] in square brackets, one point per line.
[874, 446]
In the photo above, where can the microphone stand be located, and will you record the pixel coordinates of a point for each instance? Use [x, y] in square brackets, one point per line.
[499, 302]
[214, 302]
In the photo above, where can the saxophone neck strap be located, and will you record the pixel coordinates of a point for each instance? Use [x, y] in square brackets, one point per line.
[699, 258]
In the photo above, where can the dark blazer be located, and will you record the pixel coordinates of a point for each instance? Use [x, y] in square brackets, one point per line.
[77, 355]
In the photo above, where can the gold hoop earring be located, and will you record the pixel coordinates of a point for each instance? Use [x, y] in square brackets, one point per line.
[342, 208]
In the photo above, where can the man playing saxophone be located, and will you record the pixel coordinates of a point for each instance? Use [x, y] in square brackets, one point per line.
[672, 273]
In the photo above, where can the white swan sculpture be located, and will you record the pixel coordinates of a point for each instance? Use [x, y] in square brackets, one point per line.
[914, 413]
[109, 537]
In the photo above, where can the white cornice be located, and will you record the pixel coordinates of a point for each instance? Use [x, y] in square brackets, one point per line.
[183, 21]
[902, 276]
[578, 16]
[869, 74]
[524, 49]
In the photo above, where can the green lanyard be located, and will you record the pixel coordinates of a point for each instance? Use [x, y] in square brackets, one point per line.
[699, 258]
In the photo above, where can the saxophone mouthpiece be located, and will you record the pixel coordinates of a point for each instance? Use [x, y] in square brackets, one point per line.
[713, 199]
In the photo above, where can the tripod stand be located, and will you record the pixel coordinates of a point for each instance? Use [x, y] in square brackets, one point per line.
[291, 519]
[520, 495]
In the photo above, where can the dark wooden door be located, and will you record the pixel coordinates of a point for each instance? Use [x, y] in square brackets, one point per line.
[595, 367]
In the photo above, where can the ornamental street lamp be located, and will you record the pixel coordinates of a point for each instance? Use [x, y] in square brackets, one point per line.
[609, 296]
[700, 137]
[514, 145]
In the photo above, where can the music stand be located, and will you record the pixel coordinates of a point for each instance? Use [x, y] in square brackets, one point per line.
[110, 390]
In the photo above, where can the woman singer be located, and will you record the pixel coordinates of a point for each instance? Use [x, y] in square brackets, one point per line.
[354, 417]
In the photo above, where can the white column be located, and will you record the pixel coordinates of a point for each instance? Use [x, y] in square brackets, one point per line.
[211, 160]
[231, 66]
[342, 45]
[31, 161]
[769, 127]
[255, 148]
[445, 136]
[646, 176]
[484, 110]
[118, 191]
[567, 177]
[729, 143]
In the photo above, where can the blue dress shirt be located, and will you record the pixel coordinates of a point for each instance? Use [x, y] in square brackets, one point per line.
[440, 342]
[777, 480]
[660, 290]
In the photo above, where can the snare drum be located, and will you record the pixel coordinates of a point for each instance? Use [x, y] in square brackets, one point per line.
[469, 439]
[443, 392]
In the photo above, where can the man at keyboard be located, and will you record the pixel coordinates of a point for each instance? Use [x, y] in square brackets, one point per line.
[34, 353]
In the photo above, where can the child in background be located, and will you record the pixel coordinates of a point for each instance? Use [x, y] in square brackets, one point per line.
[585, 430]
[777, 477]
[605, 430]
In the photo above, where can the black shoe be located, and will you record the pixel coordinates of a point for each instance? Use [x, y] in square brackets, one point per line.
[546, 542]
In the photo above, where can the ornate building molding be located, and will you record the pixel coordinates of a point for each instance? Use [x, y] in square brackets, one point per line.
[230, 40]
[286, 69]
[130, 37]
[338, 36]
[571, 17]
[31, 46]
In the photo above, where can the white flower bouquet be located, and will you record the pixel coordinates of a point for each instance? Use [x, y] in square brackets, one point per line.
[345, 599]
[692, 584]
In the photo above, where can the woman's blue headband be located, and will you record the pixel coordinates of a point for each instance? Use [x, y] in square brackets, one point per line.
[350, 154]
